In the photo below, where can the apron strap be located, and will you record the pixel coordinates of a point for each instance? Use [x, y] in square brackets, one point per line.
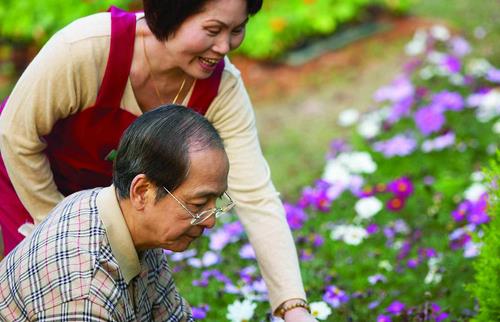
[120, 58]
[205, 90]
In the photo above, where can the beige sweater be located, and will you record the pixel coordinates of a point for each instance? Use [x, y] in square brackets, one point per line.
[64, 79]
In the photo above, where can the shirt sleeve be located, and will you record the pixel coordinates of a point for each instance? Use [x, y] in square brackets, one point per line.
[257, 202]
[77, 310]
[52, 87]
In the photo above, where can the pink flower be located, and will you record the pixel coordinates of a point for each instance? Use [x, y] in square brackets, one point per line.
[401, 187]
[395, 204]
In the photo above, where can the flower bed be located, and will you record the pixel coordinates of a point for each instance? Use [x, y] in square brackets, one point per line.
[391, 230]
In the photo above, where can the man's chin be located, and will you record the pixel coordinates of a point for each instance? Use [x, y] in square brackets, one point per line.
[179, 247]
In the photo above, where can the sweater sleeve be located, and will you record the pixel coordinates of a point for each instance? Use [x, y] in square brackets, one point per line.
[257, 202]
[48, 90]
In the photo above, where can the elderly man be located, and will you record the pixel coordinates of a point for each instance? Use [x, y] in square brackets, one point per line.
[98, 256]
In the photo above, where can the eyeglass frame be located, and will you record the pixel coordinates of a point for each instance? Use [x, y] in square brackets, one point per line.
[217, 211]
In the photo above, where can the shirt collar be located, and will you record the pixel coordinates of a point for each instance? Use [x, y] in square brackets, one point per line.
[118, 234]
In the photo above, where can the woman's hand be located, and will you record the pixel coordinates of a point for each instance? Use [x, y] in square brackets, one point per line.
[299, 314]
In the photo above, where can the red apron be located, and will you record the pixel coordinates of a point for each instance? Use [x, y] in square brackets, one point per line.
[78, 146]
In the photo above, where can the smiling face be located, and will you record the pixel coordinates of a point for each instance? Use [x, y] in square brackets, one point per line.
[205, 38]
[166, 223]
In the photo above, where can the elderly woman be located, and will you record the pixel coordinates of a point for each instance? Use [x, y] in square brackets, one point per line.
[62, 122]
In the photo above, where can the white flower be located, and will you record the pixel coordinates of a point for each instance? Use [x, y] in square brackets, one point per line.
[440, 32]
[369, 128]
[338, 232]
[489, 107]
[350, 234]
[348, 117]
[385, 265]
[336, 173]
[210, 258]
[354, 235]
[478, 67]
[358, 162]
[496, 127]
[433, 277]
[471, 249]
[397, 244]
[320, 310]
[368, 207]
[174, 256]
[427, 72]
[436, 57]
[474, 191]
[477, 176]
[491, 148]
[417, 45]
[457, 79]
[241, 311]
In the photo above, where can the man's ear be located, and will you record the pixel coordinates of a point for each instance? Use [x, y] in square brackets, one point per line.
[141, 192]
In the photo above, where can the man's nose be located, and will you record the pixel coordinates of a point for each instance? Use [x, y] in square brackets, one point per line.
[210, 222]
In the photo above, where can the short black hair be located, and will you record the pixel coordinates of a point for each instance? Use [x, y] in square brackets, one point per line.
[164, 17]
[158, 144]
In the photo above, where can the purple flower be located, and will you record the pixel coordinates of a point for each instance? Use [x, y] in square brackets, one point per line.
[400, 145]
[404, 250]
[247, 252]
[317, 240]
[459, 46]
[460, 241]
[429, 120]
[493, 75]
[427, 252]
[461, 211]
[383, 318]
[395, 308]
[442, 316]
[295, 216]
[412, 263]
[306, 255]
[477, 212]
[399, 89]
[335, 296]
[401, 187]
[374, 279]
[372, 229]
[437, 314]
[319, 197]
[200, 312]
[448, 101]
[451, 64]
[234, 228]
[400, 109]
[219, 239]
[389, 232]
[337, 146]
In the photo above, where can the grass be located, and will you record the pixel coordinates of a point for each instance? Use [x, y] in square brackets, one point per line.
[295, 132]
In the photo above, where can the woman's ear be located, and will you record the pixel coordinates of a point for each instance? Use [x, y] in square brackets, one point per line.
[140, 192]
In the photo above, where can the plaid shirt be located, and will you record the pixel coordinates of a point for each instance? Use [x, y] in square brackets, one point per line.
[80, 265]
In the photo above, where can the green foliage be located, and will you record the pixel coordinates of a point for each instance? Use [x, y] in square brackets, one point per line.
[284, 24]
[279, 26]
[32, 20]
[487, 285]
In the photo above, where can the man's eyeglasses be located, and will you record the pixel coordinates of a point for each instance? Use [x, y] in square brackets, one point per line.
[224, 204]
